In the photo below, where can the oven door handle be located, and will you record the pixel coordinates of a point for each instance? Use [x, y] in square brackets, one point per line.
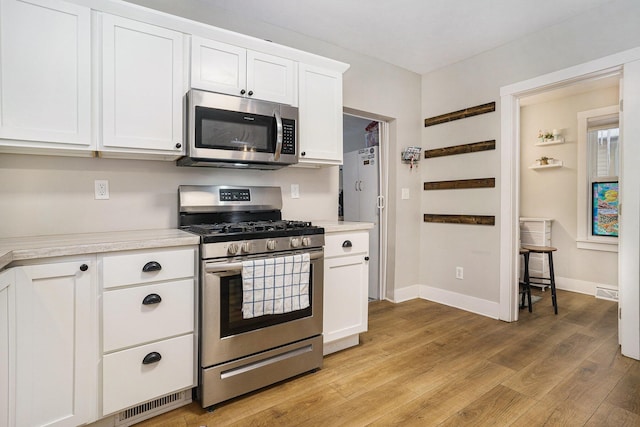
[217, 267]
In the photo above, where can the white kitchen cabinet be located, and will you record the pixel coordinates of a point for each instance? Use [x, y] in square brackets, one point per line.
[142, 90]
[148, 325]
[346, 276]
[7, 348]
[45, 84]
[320, 116]
[56, 343]
[224, 68]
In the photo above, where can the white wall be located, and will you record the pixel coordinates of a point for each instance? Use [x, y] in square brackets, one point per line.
[552, 193]
[475, 81]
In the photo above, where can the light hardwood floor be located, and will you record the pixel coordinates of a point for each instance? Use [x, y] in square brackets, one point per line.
[426, 364]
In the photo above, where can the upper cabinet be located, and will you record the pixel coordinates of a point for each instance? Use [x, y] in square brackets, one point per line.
[225, 68]
[320, 116]
[142, 89]
[45, 89]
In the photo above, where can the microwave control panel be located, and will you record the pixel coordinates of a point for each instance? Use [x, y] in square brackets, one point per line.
[288, 136]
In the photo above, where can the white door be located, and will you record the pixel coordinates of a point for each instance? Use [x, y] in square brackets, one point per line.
[320, 119]
[142, 86]
[56, 340]
[218, 67]
[350, 182]
[271, 78]
[45, 84]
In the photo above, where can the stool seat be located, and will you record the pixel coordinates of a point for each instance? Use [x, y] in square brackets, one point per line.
[549, 250]
[539, 249]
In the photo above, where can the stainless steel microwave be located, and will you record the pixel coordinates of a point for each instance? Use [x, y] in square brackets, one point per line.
[230, 131]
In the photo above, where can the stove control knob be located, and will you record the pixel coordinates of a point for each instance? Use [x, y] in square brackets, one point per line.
[306, 241]
[295, 242]
[233, 248]
[271, 245]
[246, 247]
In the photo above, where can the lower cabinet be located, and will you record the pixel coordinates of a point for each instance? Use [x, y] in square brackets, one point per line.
[7, 347]
[346, 287]
[148, 324]
[56, 343]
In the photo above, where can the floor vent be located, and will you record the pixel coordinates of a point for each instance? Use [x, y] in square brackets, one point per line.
[608, 294]
[152, 408]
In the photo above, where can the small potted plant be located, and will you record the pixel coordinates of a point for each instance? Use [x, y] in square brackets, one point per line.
[544, 160]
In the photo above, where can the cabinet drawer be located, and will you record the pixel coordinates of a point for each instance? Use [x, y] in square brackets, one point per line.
[333, 245]
[128, 268]
[128, 322]
[126, 381]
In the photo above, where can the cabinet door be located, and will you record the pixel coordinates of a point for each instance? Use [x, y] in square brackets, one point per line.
[271, 78]
[45, 89]
[320, 114]
[218, 67]
[56, 339]
[345, 297]
[142, 88]
[7, 348]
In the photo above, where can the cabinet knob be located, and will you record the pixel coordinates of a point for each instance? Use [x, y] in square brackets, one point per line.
[152, 299]
[152, 357]
[303, 153]
[84, 267]
[151, 266]
[347, 244]
[366, 258]
[178, 145]
[242, 92]
[250, 93]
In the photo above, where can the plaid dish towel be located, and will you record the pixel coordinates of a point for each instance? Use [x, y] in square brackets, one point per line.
[275, 285]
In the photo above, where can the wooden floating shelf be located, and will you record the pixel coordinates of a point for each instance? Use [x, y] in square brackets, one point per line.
[460, 114]
[461, 149]
[550, 142]
[461, 219]
[460, 184]
[557, 164]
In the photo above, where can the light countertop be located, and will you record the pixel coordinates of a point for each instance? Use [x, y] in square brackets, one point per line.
[342, 226]
[24, 248]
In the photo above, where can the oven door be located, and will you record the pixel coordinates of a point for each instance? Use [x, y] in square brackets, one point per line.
[225, 335]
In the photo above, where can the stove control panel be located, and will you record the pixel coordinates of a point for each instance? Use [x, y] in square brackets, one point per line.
[235, 195]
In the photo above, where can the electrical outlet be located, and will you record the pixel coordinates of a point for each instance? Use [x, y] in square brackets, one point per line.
[459, 273]
[295, 191]
[101, 189]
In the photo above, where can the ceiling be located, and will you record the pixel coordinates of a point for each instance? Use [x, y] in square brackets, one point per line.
[418, 35]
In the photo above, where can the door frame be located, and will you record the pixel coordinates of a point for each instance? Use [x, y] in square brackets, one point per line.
[383, 165]
[627, 62]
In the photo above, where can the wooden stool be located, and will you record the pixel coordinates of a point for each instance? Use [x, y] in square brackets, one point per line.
[551, 279]
[526, 287]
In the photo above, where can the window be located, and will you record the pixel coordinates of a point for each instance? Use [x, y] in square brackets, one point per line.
[598, 169]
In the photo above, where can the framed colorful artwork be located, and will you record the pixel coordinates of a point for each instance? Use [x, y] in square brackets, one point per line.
[604, 209]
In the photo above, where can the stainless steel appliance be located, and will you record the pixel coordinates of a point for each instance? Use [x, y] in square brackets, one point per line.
[238, 354]
[230, 131]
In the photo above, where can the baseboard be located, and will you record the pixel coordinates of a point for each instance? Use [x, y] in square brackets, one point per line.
[464, 302]
[581, 286]
[406, 293]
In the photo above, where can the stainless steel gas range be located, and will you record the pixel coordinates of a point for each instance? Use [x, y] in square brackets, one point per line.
[261, 284]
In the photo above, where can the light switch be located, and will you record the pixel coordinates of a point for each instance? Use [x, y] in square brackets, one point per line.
[405, 194]
[295, 191]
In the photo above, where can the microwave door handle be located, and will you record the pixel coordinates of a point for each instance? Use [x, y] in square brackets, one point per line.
[276, 155]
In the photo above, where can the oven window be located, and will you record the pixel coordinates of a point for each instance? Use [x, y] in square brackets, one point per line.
[231, 130]
[231, 320]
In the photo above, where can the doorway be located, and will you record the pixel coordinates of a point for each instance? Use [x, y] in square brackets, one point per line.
[556, 174]
[627, 62]
[361, 192]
